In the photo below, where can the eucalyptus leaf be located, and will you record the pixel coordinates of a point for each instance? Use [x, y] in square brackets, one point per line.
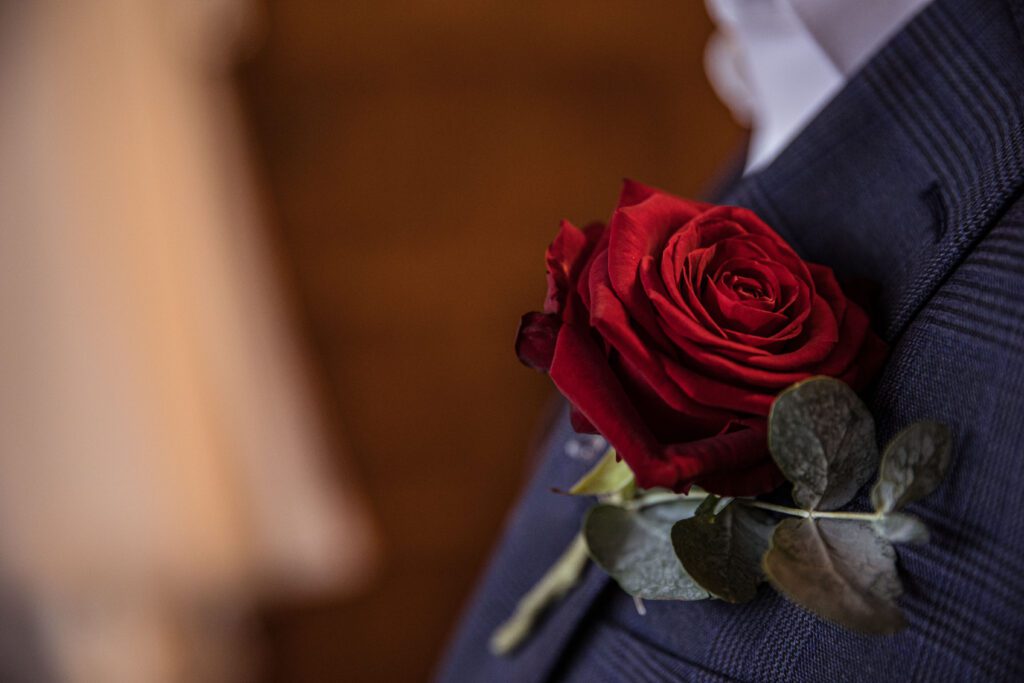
[635, 548]
[913, 465]
[839, 569]
[723, 552]
[822, 437]
[899, 527]
[607, 477]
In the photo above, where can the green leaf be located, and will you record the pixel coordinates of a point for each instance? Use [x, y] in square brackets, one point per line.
[608, 476]
[898, 527]
[723, 552]
[555, 583]
[635, 548]
[913, 465]
[822, 437]
[840, 570]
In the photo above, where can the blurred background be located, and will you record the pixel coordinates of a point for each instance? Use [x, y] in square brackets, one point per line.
[261, 265]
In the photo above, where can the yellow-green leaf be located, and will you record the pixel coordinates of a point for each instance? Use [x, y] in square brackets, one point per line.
[609, 476]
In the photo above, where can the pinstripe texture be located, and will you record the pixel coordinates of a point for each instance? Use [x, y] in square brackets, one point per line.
[910, 178]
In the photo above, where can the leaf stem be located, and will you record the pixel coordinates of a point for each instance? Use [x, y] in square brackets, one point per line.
[794, 512]
[864, 516]
[558, 580]
[659, 498]
[812, 514]
[662, 497]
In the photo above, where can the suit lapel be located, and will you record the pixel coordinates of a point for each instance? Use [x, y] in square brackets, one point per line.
[896, 179]
[540, 529]
[910, 164]
[893, 182]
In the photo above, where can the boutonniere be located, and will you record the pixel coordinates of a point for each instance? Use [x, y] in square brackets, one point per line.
[719, 365]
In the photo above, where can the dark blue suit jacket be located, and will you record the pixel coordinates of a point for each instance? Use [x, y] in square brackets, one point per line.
[910, 178]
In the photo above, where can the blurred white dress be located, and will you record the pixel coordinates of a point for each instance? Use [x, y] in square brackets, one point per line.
[161, 460]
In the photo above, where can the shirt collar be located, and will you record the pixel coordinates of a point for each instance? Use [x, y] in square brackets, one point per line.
[776, 63]
[904, 170]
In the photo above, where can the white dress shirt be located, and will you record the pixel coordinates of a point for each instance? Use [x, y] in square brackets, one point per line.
[776, 63]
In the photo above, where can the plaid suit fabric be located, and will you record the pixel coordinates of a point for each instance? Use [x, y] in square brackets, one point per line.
[911, 178]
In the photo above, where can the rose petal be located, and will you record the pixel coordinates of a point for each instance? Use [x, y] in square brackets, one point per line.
[680, 318]
[599, 253]
[711, 391]
[859, 354]
[679, 324]
[639, 356]
[637, 231]
[760, 478]
[684, 294]
[741, 315]
[741, 447]
[633, 192]
[740, 368]
[739, 444]
[535, 340]
[566, 257]
[580, 423]
[580, 371]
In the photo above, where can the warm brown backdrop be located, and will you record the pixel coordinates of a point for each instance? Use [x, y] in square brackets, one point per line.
[417, 158]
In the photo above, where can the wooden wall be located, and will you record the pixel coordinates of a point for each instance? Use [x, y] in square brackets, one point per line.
[417, 158]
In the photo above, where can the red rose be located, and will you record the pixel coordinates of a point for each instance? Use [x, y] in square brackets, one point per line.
[672, 330]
